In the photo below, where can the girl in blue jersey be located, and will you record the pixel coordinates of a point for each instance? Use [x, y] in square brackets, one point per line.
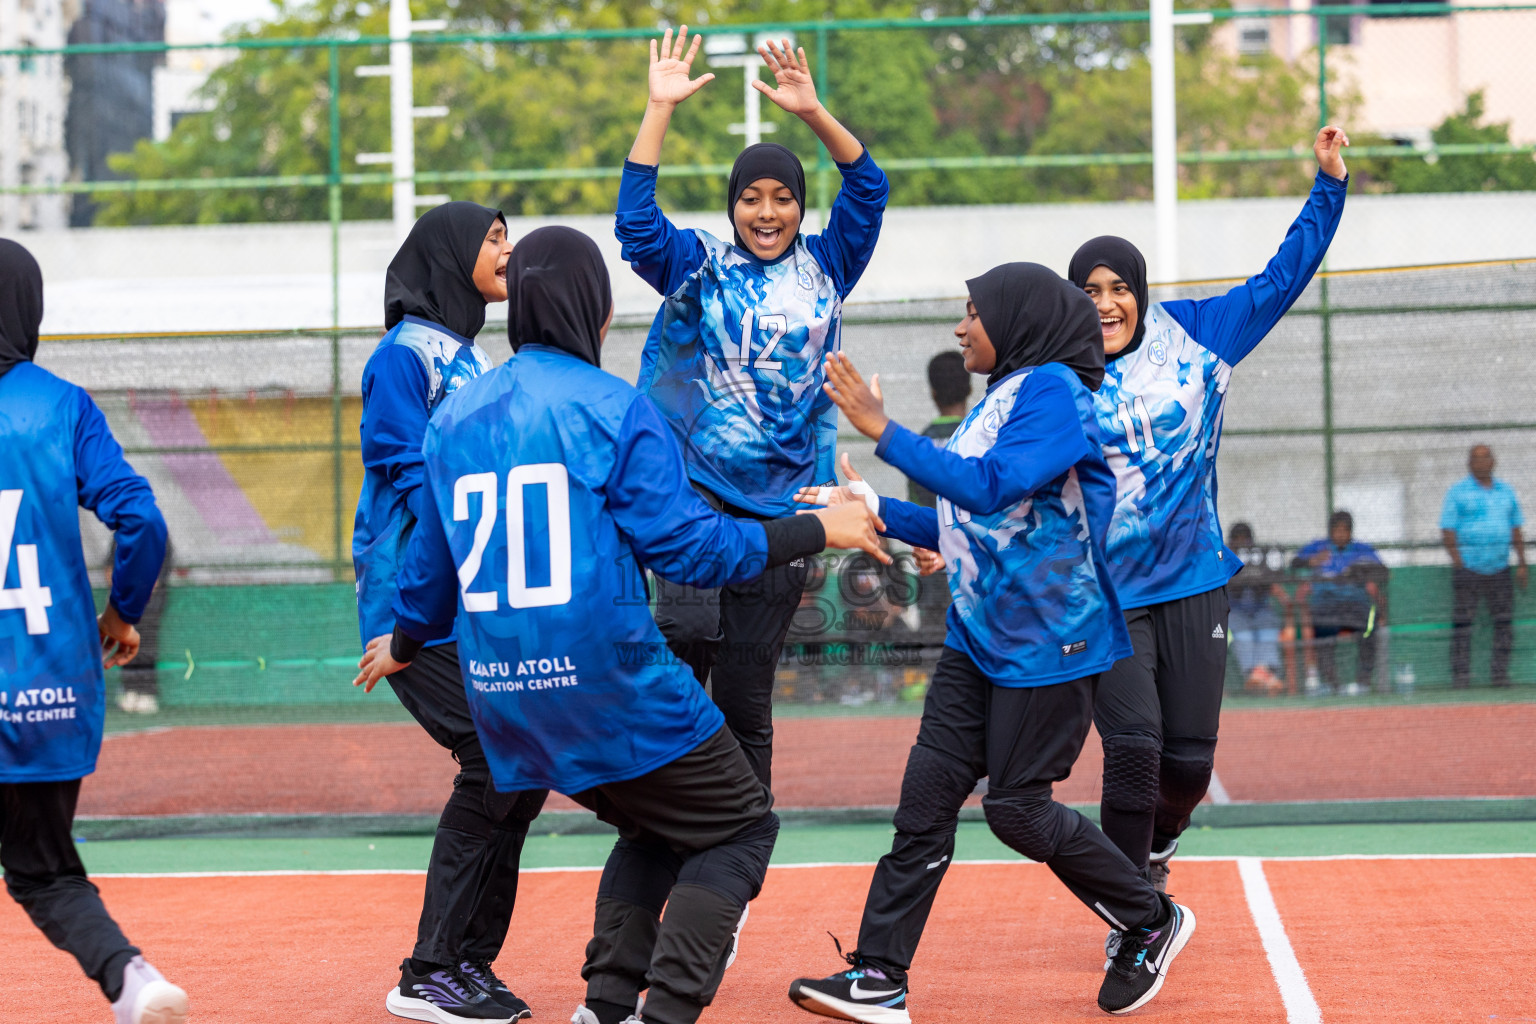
[1025, 499]
[734, 358]
[550, 487]
[450, 266]
[1159, 415]
[56, 452]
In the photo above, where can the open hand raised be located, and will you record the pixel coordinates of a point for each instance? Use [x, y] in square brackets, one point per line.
[862, 404]
[796, 90]
[670, 67]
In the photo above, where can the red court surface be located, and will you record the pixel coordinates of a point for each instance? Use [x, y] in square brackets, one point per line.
[1399, 941]
[1415, 751]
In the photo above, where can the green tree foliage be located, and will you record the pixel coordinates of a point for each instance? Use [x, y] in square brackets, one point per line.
[1492, 172]
[575, 105]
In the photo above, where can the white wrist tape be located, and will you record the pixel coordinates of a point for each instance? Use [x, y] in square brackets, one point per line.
[871, 499]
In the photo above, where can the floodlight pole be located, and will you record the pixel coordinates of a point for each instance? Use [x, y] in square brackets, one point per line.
[1165, 139]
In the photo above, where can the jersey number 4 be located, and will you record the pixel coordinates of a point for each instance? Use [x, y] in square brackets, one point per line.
[557, 496]
[1139, 406]
[30, 596]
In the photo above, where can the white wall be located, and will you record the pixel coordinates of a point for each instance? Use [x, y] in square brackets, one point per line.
[241, 277]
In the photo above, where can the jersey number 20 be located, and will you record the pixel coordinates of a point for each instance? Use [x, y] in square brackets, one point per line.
[557, 490]
[30, 596]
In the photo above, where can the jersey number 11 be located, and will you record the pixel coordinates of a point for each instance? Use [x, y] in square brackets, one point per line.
[1140, 407]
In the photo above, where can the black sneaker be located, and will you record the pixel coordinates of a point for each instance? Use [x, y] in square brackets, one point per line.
[1142, 961]
[481, 974]
[863, 993]
[445, 996]
[1157, 865]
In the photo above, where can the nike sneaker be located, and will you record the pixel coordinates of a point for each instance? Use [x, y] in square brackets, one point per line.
[862, 993]
[147, 998]
[1141, 963]
[1157, 865]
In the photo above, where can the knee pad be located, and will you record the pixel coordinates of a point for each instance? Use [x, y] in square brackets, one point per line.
[469, 807]
[641, 874]
[735, 869]
[1028, 821]
[932, 790]
[1183, 781]
[514, 812]
[1131, 766]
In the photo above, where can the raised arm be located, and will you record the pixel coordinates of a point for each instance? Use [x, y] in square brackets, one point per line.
[661, 254]
[1233, 324]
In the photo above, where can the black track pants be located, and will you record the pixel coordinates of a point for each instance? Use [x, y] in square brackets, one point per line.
[1157, 712]
[732, 637]
[472, 873]
[1497, 591]
[44, 874]
[1024, 740]
[695, 836]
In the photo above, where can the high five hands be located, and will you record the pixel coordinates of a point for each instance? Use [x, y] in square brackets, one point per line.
[671, 66]
[796, 90]
[928, 562]
[1329, 150]
[862, 403]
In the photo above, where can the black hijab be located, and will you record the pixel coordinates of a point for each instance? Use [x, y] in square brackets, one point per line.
[21, 305]
[1034, 317]
[433, 274]
[1127, 262]
[764, 160]
[558, 288]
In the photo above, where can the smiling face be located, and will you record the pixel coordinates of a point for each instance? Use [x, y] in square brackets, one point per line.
[1118, 314]
[491, 265]
[975, 345]
[767, 218]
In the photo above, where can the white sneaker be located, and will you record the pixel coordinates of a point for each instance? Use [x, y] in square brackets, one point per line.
[147, 998]
[136, 703]
[586, 1016]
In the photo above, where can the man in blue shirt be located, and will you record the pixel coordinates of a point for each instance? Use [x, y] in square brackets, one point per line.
[1479, 524]
[1344, 595]
[549, 487]
[57, 453]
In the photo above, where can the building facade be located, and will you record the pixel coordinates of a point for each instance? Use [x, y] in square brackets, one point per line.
[1413, 72]
[111, 98]
[34, 94]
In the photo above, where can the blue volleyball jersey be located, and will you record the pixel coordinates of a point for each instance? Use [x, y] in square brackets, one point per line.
[1160, 410]
[57, 454]
[415, 366]
[550, 486]
[734, 359]
[1025, 499]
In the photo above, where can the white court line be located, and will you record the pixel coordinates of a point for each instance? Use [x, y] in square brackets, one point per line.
[1295, 993]
[1218, 792]
[298, 872]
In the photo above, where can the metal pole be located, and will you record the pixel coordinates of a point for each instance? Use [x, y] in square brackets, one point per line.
[1322, 70]
[402, 125]
[1328, 436]
[752, 100]
[335, 216]
[1165, 139]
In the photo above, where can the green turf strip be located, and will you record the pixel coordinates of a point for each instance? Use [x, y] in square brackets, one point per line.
[797, 845]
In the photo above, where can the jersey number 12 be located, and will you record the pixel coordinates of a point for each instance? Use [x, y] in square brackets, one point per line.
[30, 596]
[778, 323]
[557, 490]
[1140, 408]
